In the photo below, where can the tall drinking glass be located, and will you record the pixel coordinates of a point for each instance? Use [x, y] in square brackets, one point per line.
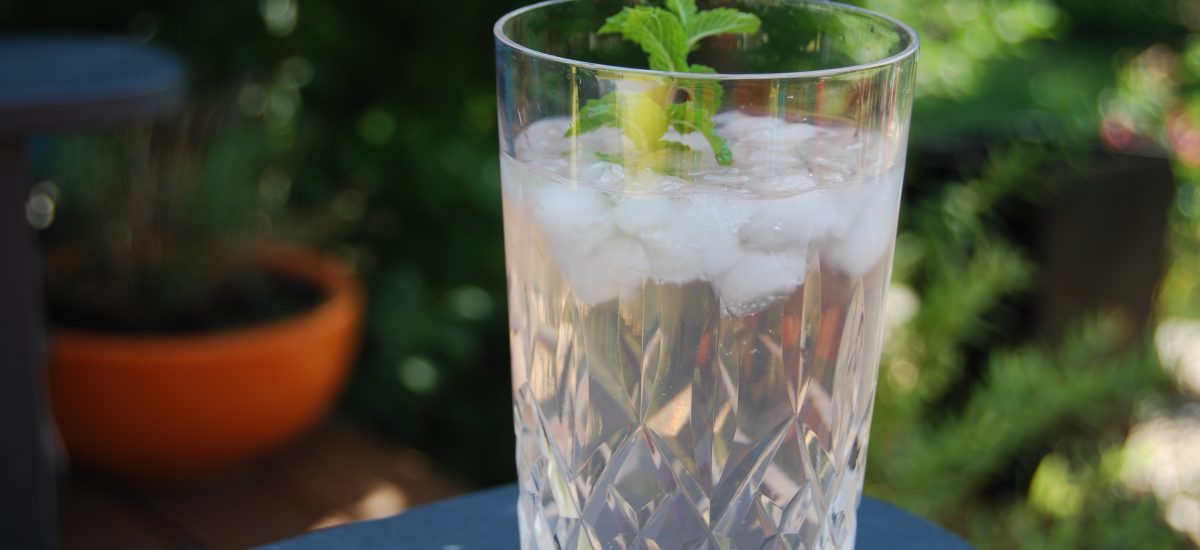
[696, 322]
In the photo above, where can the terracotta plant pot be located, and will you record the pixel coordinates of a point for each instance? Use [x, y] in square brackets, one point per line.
[180, 408]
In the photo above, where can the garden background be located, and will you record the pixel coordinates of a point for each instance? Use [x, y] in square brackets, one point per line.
[1012, 415]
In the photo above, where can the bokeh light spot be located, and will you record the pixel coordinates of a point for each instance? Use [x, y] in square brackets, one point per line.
[1053, 491]
[296, 71]
[274, 185]
[280, 16]
[40, 207]
[376, 126]
[470, 302]
[418, 374]
[350, 205]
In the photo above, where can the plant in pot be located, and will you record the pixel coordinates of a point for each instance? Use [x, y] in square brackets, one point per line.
[187, 338]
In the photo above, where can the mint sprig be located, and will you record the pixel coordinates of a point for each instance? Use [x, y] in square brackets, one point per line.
[716, 22]
[667, 36]
[659, 33]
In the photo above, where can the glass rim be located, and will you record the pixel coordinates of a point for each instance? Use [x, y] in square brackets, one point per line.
[910, 50]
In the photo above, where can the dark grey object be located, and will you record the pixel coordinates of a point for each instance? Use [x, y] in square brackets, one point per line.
[48, 84]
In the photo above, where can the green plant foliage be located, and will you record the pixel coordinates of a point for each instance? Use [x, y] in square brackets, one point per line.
[157, 227]
[968, 422]
[387, 155]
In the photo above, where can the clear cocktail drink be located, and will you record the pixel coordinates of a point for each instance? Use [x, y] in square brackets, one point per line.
[695, 346]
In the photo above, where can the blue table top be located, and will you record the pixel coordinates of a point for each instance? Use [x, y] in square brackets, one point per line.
[54, 82]
[488, 521]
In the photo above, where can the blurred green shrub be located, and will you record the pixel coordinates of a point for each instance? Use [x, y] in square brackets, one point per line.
[381, 120]
[154, 228]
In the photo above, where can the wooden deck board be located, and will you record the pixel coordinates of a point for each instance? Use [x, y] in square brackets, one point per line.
[237, 513]
[361, 476]
[337, 475]
[93, 516]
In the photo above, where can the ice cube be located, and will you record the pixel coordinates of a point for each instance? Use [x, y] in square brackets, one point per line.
[830, 164]
[797, 132]
[609, 141]
[790, 182]
[558, 166]
[726, 177]
[864, 243]
[589, 285]
[637, 213]
[574, 219]
[783, 133]
[740, 126]
[543, 137]
[758, 279]
[792, 223]
[616, 268]
[718, 218]
[687, 239]
[627, 260]
[676, 256]
[771, 159]
[600, 174]
[695, 140]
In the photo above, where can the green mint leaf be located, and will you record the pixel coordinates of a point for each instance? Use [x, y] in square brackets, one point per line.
[614, 24]
[691, 116]
[658, 32]
[674, 147]
[687, 117]
[606, 157]
[671, 158]
[721, 150]
[596, 113]
[720, 21]
[685, 10]
[701, 69]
